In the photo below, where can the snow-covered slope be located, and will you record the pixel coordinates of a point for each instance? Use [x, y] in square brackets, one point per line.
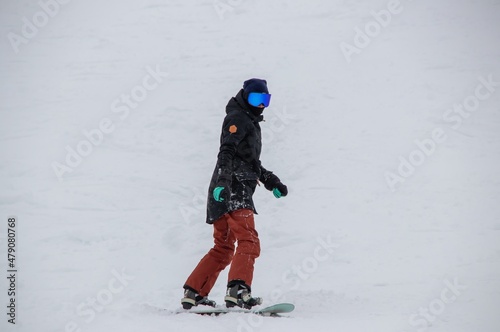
[384, 124]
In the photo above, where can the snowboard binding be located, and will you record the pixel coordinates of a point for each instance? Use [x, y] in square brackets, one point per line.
[192, 299]
[239, 295]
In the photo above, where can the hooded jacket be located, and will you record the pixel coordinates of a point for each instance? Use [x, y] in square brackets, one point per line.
[238, 167]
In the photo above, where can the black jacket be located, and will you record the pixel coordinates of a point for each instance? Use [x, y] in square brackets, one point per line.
[238, 167]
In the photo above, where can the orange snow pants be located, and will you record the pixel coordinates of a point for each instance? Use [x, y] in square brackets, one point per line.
[237, 226]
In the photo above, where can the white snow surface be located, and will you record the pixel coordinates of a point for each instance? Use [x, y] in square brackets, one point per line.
[117, 236]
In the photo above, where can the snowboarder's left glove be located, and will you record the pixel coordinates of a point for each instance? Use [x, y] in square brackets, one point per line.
[272, 182]
[280, 190]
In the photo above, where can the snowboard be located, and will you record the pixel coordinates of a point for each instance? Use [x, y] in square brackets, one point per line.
[274, 310]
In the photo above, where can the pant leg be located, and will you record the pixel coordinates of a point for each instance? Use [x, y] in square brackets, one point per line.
[242, 225]
[205, 274]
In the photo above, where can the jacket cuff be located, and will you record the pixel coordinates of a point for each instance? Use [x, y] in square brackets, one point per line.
[269, 180]
[223, 178]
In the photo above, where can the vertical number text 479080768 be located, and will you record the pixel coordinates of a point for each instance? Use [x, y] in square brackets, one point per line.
[11, 269]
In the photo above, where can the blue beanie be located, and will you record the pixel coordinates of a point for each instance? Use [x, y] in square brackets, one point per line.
[255, 85]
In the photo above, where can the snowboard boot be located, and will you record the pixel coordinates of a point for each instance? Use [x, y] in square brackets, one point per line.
[191, 298]
[239, 295]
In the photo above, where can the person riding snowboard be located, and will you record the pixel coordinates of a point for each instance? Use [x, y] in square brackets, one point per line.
[230, 208]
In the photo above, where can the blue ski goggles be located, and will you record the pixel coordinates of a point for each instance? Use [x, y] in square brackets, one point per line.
[257, 98]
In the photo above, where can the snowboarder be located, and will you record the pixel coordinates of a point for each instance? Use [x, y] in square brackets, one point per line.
[230, 208]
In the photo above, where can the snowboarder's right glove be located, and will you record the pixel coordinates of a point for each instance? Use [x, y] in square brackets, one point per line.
[219, 194]
[221, 191]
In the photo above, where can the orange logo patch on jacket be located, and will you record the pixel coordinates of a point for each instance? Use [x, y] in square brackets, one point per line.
[233, 129]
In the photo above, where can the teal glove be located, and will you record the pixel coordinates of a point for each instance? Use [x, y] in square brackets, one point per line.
[280, 190]
[218, 194]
